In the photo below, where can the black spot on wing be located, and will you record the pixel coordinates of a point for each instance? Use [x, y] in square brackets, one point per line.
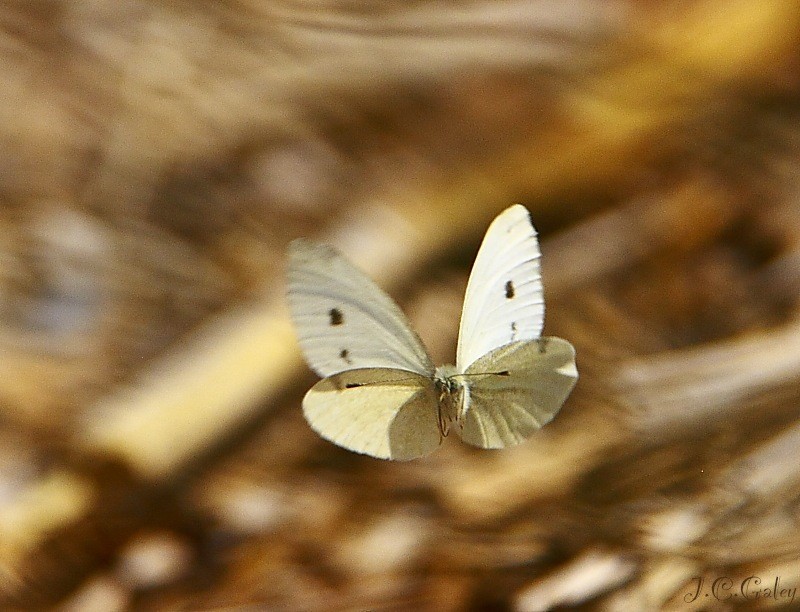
[353, 385]
[510, 292]
[336, 317]
[344, 354]
[513, 330]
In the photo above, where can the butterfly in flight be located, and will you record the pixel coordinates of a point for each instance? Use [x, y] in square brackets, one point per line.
[381, 395]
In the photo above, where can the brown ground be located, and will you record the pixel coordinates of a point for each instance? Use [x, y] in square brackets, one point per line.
[157, 157]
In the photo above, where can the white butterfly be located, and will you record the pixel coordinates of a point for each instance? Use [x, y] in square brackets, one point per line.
[382, 396]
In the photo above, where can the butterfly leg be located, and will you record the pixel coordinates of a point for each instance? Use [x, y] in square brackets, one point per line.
[444, 423]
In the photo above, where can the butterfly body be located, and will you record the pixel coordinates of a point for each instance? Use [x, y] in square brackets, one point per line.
[381, 395]
[451, 395]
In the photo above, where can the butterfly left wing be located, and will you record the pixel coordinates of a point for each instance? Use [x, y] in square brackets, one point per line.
[515, 390]
[344, 320]
[381, 412]
[504, 301]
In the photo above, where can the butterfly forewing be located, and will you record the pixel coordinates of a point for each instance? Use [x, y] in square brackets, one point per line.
[389, 414]
[517, 389]
[504, 300]
[344, 320]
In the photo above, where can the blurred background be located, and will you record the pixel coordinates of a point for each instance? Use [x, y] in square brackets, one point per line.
[156, 158]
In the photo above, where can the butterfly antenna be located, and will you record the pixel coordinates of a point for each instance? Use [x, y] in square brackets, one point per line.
[356, 385]
[473, 374]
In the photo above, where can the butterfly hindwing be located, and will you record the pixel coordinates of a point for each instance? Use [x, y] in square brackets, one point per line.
[517, 389]
[381, 412]
[344, 320]
[504, 300]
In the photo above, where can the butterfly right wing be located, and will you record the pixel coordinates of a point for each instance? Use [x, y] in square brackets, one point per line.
[381, 412]
[504, 301]
[517, 389]
[344, 320]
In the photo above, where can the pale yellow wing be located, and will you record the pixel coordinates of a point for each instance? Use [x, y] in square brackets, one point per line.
[381, 412]
[517, 389]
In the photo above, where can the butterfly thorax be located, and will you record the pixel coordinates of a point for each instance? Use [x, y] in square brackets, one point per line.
[451, 397]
